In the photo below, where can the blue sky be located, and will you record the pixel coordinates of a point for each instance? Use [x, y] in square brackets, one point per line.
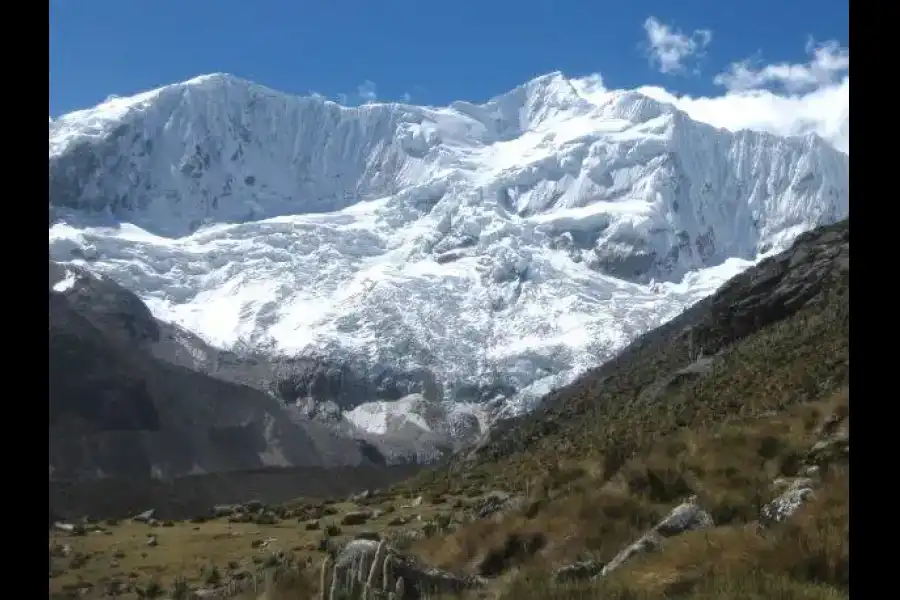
[427, 52]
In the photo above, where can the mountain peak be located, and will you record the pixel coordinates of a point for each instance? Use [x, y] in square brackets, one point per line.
[545, 98]
[635, 107]
[504, 246]
[219, 82]
[219, 78]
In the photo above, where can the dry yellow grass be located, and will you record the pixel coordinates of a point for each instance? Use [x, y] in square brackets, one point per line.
[731, 467]
[574, 508]
[184, 549]
[811, 549]
[192, 551]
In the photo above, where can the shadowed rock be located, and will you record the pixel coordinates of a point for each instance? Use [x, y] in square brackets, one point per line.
[117, 409]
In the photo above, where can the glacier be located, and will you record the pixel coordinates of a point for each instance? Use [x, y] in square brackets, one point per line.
[504, 247]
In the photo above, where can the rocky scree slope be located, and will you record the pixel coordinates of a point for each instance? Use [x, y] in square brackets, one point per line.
[118, 409]
[479, 254]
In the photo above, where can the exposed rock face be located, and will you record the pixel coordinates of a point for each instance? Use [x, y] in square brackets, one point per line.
[323, 380]
[116, 408]
[775, 289]
[786, 504]
[688, 516]
[685, 517]
[420, 581]
[497, 502]
[794, 492]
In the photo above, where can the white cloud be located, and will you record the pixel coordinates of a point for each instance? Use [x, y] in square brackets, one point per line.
[406, 97]
[816, 101]
[828, 63]
[825, 111]
[670, 48]
[367, 91]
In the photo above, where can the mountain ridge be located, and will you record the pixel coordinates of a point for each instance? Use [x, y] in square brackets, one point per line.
[502, 247]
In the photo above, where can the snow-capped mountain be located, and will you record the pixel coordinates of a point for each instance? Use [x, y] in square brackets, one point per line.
[500, 248]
